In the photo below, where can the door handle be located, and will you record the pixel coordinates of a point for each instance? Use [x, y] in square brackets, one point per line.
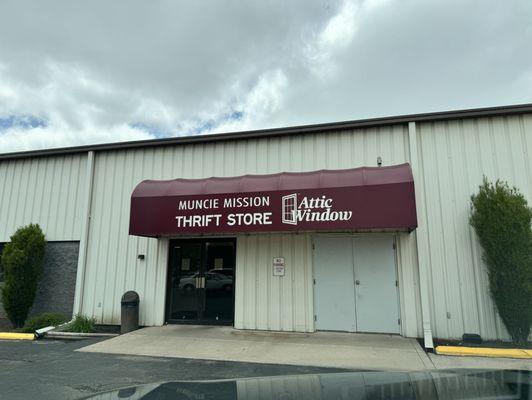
[357, 282]
[200, 282]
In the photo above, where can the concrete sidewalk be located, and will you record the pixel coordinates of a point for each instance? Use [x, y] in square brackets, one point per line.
[321, 349]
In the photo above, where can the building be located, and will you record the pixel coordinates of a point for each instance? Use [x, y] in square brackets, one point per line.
[380, 242]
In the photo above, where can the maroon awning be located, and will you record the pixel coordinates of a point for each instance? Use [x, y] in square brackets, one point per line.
[377, 198]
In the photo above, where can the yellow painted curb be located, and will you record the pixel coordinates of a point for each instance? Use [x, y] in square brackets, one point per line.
[483, 352]
[16, 336]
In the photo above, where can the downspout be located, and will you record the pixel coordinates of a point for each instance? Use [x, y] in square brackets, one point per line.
[421, 236]
[83, 244]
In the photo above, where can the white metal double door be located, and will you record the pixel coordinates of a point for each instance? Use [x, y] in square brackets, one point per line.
[355, 284]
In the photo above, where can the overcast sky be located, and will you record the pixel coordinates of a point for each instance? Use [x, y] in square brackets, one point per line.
[74, 72]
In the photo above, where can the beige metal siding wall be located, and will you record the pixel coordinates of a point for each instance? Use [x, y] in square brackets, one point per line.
[454, 155]
[45, 190]
[409, 289]
[268, 302]
[112, 264]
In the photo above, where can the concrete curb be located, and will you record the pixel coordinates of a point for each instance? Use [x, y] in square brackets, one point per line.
[76, 335]
[16, 336]
[483, 352]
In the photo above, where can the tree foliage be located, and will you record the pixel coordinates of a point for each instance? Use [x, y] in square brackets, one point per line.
[22, 262]
[501, 218]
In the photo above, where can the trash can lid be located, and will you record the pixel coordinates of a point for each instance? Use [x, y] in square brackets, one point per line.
[130, 297]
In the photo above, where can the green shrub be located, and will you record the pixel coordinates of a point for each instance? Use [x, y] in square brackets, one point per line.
[82, 324]
[501, 218]
[22, 262]
[43, 320]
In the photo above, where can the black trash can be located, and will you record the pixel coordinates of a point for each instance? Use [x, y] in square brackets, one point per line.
[129, 320]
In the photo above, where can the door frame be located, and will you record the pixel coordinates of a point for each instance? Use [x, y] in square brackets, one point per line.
[355, 235]
[201, 240]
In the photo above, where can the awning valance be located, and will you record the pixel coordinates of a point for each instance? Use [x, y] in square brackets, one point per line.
[366, 198]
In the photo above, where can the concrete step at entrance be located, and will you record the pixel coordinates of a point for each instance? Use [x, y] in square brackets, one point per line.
[323, 349]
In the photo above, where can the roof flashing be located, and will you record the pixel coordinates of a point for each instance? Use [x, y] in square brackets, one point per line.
[272, 132]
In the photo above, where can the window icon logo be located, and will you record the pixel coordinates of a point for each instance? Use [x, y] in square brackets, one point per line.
[289, 209]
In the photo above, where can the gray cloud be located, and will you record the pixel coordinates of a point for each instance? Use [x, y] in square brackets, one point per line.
[106, 71]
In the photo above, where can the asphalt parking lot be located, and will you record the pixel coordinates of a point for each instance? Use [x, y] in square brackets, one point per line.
[52, 369]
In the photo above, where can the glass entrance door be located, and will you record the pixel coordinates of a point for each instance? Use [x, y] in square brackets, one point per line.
[219, 269]
[183, 276]
[200, 281]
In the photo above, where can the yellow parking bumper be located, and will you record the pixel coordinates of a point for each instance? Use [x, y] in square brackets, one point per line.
[16, 336]
[483, 352]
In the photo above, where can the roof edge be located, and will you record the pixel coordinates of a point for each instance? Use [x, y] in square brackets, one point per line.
[285, 131]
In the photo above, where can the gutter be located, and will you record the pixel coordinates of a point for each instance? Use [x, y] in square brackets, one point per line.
[50, 332]
[54, 332]
[77, 335]
[84, 240]
[421, 238]
[39, 333]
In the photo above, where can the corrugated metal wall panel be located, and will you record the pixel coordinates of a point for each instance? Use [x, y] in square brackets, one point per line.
[268, 302]
[112, 264]
[409, 293]
[454, 156]
[46, 190]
